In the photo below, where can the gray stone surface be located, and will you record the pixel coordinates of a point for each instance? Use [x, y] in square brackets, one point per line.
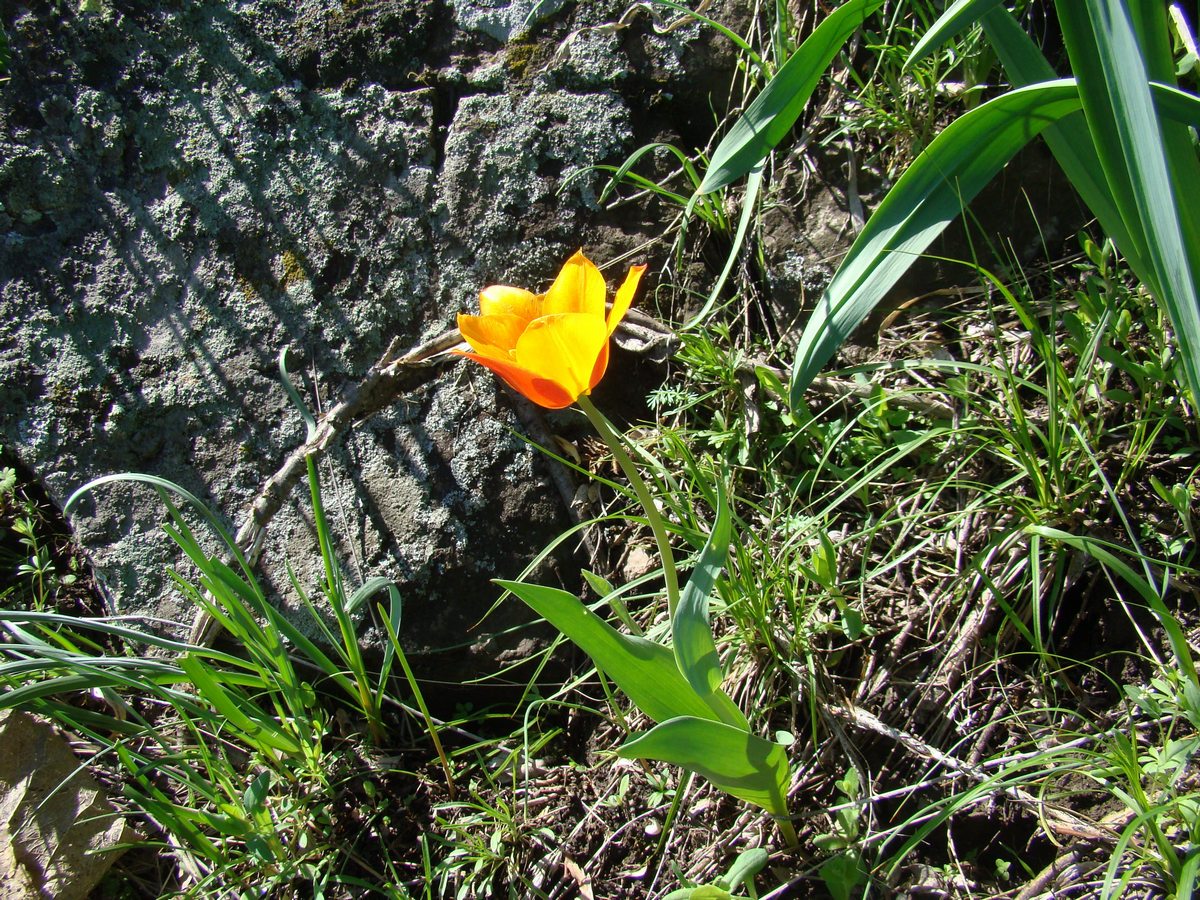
[503, 20]
[187, 187]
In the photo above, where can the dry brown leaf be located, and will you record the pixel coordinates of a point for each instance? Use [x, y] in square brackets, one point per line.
[55, 819]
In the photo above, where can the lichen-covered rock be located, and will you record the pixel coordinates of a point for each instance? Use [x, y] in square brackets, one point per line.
[502, 20]
[187, 188]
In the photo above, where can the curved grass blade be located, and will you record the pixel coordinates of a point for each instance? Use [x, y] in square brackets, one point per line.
[163, 484]
[773, 113]
[958, 15]
[1101, 552]
[1069, 139]
[928, 196]
[691, 635]
[742, 764]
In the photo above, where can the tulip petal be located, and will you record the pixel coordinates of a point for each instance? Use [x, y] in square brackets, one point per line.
[599, 368]
[624, 297]
[579, 288]
[538, 389]
[492, 335]
[503, 300]
[564, 349]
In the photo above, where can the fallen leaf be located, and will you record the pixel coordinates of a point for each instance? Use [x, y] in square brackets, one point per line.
[57, 827]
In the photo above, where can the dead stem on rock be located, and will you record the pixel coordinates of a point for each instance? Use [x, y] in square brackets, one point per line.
[393, 375]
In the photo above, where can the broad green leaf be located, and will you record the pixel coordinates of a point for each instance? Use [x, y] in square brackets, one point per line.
[695, 649]
[748, 864]
[773, 113]
[644, 670]
[1113, 56]
[738, 762]
[1148, 162]
[1069, 139]
[928, 196]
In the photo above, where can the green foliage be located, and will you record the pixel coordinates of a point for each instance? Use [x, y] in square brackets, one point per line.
[238, 776]
[1129, 158]
[30, 551]
[773, 113]
[699, 727]
[740, 874]
[843, 871]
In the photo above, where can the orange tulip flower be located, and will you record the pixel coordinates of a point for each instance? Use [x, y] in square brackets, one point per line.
[552, 347]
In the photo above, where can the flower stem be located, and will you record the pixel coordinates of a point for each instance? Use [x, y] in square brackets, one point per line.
[621, 455]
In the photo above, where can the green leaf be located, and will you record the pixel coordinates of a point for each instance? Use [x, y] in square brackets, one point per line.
[958, 15]
[1147, 162]
[773, 113]
[644, 670]
[8, 481]
[748, 864]
[1068, 139]
[695, 649]
[1175, 104]
[928, 196]
[255, 796]
[704, 892]
[740, 763]
[843, 874]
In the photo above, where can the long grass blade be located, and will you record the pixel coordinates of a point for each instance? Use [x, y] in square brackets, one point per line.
[695, 649]
[927, 197]
[1103, 553]
[773, 113]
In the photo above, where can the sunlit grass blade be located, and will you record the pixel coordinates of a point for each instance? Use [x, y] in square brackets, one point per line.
[1103, 553]
[260, 731]
[928, 196]
[695, 649]
[745, 765]
[773, 113]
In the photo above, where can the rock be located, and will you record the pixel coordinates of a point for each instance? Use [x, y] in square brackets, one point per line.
[502, 20]
[186, 188]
